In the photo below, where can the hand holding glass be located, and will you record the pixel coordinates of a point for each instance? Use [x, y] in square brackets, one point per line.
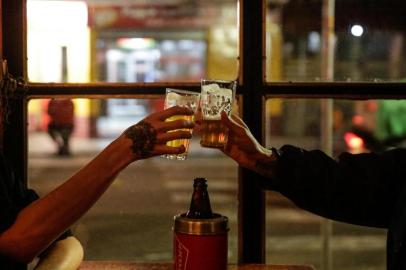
[182, 98]
[217, 96]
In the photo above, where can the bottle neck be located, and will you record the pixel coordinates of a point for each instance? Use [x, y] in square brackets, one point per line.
[200, 207]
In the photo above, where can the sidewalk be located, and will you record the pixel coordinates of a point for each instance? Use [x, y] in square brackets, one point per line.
[41, 145]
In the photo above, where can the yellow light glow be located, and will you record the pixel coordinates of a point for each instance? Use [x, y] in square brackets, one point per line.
[57, 14]
[82, 107]
[51, 26]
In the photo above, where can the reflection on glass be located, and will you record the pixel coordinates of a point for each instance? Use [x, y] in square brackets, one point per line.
[294, 235]
[368, 44]
[140, 204]
[128, 41]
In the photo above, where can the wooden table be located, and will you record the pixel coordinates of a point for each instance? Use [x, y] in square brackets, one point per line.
[113, 265]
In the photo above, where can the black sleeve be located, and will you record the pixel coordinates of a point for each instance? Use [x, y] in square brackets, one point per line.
[26, 197]
[10, 194]
[359, 189]
[14, 197]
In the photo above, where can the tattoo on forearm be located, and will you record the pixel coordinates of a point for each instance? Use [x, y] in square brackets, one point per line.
[143, 136]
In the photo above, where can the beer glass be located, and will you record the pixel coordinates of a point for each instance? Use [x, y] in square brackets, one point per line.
[216, 96]
[182, 98]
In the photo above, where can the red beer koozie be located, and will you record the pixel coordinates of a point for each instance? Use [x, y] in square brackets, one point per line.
[200, 244]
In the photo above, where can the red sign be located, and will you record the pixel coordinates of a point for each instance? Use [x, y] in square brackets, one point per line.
[151, 16]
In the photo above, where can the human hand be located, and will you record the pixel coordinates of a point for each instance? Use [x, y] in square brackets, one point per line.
[150, 135]
[243, 147]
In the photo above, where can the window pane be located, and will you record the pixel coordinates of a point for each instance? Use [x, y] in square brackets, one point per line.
[133, 219]
[368, 42]
[294, 235]
[131, 41]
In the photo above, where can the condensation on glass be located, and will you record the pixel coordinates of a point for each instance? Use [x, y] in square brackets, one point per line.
[131, 41]
[368, 41]
[133, 220]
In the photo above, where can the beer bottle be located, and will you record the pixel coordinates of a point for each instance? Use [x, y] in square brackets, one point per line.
[200, 204]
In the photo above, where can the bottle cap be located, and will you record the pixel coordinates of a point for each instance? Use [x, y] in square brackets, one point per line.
[200, 181]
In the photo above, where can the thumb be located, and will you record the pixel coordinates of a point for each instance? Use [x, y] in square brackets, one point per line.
[231, 124]
[225, 120]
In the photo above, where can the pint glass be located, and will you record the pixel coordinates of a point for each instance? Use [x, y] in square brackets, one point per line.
[182, 98]
[216, 96]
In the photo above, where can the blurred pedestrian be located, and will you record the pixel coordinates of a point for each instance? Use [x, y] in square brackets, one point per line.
[61, 124]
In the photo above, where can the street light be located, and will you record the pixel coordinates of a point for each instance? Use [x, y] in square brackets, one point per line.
[357, 30]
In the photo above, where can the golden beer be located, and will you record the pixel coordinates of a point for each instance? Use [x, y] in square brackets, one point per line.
[213, 134]
[179, 142]
[182, 98]
[216, 97]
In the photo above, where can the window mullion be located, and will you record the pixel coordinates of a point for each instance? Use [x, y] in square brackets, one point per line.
[43, 90]
[251, 219]
[336, 90]
[14, 51]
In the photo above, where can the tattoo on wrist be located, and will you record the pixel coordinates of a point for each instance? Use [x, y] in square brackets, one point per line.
[143, 136]
[267, 166]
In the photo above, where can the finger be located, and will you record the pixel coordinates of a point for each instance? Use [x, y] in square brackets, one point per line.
[161, 149]
[175, 135]
[176, 110]
[230, 140]
[198, 116]
[240, 143]
[227, 147]
[177, 124]
[231, 124]
[239, 121]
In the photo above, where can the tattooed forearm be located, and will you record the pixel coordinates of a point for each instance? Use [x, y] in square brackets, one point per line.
[143, 136]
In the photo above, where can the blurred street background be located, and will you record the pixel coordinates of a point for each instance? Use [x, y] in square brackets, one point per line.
[133, 219]
[181, 41]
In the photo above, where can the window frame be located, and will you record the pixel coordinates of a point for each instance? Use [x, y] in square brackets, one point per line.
[252, 88]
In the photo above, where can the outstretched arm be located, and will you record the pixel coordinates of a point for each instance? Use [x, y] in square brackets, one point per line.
[361, 189]
[41, 222]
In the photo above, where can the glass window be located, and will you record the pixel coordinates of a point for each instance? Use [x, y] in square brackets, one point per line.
[366, 44]
[164, 41]
[133, 220]
[294, 235]
[129, 41]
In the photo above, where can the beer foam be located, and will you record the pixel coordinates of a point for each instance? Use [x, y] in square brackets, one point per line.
[175, 99]
[212, 88]
[215, 100]
[172, 96]
[172, 99]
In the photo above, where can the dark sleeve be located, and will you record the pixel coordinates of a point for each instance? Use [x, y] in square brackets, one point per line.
[26, 197]
[359, 189]
[8, 211]
[14, 197]
[10, 196]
